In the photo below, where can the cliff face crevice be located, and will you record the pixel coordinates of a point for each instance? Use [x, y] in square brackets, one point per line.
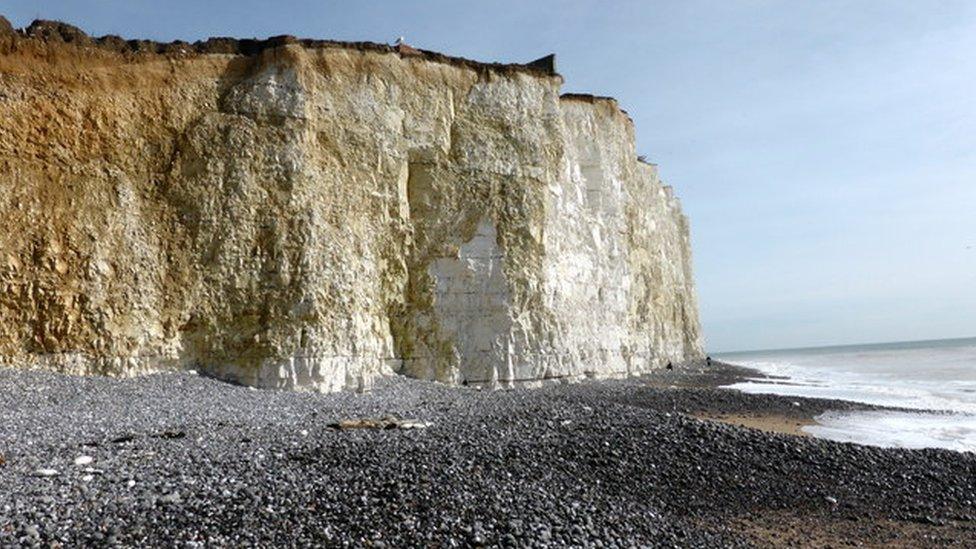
[312, 215]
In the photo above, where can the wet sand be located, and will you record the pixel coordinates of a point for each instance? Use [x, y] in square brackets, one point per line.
[771, 423]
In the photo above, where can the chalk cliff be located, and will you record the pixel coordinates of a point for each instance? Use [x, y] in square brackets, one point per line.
[309, 214]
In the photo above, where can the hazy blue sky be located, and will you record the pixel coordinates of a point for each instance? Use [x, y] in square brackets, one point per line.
[825, 151]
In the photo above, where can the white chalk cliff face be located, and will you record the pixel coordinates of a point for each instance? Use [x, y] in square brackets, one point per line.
[314, 217]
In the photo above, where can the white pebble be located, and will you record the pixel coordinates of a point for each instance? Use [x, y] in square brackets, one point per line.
[84, 460]
[171, 498]
[46, 472]
[413, 424]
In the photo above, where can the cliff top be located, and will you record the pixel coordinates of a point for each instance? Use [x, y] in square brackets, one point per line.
[59, 32]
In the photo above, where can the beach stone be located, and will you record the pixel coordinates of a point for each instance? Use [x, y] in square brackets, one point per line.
[171, 498]
[412, 424]
[493, 469]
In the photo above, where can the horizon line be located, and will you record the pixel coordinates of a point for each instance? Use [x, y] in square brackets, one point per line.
[813, 347]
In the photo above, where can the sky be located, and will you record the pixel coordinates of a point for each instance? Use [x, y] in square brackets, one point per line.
[824, 151]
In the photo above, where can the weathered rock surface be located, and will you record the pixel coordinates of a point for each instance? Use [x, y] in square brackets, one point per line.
[301, 214]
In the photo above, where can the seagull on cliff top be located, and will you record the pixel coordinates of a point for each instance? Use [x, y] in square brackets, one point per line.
[399, 41]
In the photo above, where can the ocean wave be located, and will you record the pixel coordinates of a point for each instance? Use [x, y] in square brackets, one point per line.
[941, 378]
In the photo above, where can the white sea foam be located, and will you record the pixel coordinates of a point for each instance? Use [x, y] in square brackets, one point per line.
[899, 429]
[935, 375]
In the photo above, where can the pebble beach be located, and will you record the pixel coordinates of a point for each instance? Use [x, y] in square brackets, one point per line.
[187, 461]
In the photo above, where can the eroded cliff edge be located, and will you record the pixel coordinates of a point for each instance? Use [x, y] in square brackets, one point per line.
[312, 214]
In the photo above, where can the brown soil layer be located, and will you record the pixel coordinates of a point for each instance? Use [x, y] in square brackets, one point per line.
[57, 32]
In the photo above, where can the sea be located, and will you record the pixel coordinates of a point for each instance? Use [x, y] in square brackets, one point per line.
[933, 381]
